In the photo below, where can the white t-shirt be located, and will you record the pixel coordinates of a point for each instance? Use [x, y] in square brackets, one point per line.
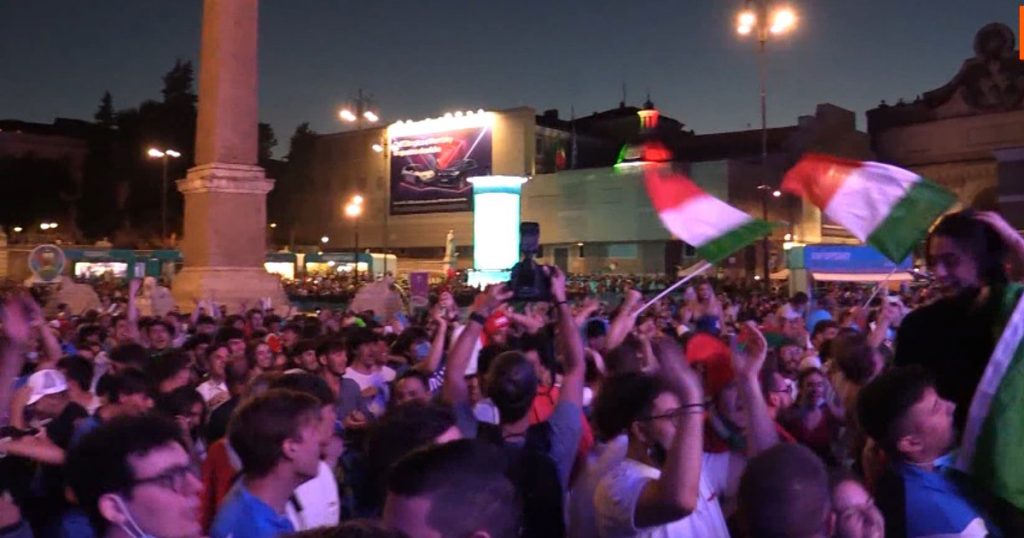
[379, 379]
[319, 499]
[209, 389]
[582, 517]
[617, 494]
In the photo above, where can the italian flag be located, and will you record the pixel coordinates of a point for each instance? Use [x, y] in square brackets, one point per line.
[713, 227]
[994, 434]
[884, 206]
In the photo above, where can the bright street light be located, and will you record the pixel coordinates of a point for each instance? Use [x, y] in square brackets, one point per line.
[17, 229]
[776, 193]
[155, 153]
[347, 115]
[377, 148]
[357, 199]
[783, 20]
[44, 226]
[324, 239]
[745, 22]
[353, 210]
[172, 153]
[53, 225]
[370, 116]
[273, 225]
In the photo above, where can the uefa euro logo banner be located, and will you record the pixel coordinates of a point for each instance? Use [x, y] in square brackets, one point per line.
[432, 161]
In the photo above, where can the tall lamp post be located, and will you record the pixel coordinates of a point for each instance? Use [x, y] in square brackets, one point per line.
[766, 19]
[353, 209]
[163, 155]
[379, 148]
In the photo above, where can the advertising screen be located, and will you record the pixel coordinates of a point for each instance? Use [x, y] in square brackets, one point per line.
[429, 170]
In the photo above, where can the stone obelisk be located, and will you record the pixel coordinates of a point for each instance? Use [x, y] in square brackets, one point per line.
[225, 193]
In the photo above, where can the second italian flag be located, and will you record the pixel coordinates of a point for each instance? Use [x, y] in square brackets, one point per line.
[885, 206]
[713, 227]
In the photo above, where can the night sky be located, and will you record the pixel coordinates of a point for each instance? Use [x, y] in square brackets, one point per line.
[422, 58]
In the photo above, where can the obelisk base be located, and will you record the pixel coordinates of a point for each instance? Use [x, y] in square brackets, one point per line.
[224, 244]
[234, 287]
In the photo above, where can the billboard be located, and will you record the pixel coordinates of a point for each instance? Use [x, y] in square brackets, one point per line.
[431, 163]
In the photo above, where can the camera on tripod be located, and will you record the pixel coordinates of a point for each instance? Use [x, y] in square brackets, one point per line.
[528, 281]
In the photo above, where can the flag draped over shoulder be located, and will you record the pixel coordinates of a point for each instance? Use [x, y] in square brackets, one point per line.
[713, 227]
[993, 441]
[885, 206]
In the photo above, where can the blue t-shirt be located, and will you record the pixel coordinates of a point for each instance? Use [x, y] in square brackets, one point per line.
[243, 515]
[938, 505]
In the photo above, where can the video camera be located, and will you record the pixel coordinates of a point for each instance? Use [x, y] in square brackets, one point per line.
[528, 281]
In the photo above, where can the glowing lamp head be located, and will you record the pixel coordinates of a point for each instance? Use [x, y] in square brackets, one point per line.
[325, 239]
[273, 225]
[353, 210]
[783, 20]
[17, 229]
[370, 116]
[357, 199]
[776, 193]
[377, 148]
[44, 226]
[346, 115]
[173, 154]
[154, 153]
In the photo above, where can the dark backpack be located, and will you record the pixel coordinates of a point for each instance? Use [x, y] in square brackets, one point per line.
[535, 476]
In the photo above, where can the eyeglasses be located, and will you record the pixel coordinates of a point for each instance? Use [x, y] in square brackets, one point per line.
[173, 478]
[691, 409]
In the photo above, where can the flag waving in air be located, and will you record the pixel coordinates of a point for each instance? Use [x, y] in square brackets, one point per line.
[713, 227]
[887, 207]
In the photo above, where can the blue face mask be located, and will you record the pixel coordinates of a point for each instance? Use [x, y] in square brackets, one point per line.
[421, 350]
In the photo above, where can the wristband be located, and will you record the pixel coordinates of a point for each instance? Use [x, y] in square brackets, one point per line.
[477, 317]
[560, 303]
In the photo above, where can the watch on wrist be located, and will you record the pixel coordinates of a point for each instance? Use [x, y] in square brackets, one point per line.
[478, 317]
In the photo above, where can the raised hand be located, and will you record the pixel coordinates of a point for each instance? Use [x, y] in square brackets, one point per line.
[491, 299]
[749, 351]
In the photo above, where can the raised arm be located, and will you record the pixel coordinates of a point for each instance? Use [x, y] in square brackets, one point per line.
[572, 344]
[454, 390]
[17, 328]
[433, 361]
[625, 319]
[674, 495]
[748, 354]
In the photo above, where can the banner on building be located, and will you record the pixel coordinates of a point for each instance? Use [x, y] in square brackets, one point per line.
[430, 170]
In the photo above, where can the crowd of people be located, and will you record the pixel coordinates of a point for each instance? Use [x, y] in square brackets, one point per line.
[710, 413]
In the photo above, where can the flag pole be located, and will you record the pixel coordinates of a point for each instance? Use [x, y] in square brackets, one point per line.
[878, 287]
[698, 269]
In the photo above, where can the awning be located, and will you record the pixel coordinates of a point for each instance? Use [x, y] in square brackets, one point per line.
[862, 277]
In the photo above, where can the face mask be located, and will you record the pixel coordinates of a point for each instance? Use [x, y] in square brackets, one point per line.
[421, 350]
[131, 527]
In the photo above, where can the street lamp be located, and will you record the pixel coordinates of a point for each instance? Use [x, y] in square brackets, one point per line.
[325, 239]
[767, 19]
[44, 226]
[353, 209]
[163, 155]
[359, 112]
[17, 229]
[377, 148]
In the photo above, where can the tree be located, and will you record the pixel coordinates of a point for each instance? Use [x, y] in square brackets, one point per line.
[267, 142]
[105, 115]
[286, 202]
[179, 82]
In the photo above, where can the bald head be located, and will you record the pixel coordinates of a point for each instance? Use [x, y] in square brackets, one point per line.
[784, 493]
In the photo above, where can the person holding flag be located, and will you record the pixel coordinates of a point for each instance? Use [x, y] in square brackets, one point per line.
[970, 340]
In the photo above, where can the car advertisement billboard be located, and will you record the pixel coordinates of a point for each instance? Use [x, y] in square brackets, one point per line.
[430, 171]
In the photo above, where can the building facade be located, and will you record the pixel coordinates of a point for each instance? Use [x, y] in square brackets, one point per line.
[967, 135]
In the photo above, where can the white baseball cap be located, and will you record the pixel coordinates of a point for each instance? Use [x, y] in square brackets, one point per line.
[44, 383]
